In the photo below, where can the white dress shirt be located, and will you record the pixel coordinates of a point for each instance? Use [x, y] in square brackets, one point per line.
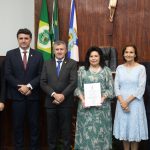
[22, 53]
[27, 54]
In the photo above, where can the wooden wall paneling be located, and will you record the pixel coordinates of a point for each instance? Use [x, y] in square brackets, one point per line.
[131, 24]
[64, 14]
[146, 33]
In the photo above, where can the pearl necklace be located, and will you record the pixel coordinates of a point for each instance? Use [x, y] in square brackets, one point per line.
[95, 70]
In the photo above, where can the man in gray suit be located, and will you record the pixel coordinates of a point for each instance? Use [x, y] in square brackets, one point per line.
[58, 81]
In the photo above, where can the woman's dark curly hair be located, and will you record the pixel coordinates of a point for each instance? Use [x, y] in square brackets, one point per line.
[89, 51]
[135, 50]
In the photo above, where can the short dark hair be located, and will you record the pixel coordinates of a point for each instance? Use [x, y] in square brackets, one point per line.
[24, 31]
[135, 50]
[89, 51]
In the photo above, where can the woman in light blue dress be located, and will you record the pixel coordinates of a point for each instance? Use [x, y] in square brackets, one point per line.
[130, 124]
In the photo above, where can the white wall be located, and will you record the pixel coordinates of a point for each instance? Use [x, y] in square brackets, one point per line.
[14, 14]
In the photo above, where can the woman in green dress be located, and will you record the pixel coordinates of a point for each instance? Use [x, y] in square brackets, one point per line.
[94, 124]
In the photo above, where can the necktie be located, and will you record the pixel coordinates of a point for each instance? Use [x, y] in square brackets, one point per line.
[58, 67]
[25, 59]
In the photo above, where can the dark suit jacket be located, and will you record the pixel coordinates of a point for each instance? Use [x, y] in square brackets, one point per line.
[2, 83]
[148, 80]
[147, 90]
[65, 83]
[15, 73]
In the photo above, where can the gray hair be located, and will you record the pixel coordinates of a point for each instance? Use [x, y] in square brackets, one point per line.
[59, 42]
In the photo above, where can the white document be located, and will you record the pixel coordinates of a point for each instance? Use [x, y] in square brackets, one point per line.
[92, 94]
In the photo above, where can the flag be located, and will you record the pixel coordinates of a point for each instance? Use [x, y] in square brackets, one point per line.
[43, 41]
[73, 51]
[55, 25]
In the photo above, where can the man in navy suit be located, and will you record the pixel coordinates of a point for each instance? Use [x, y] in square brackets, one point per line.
[2, 97]
[147, 98]
[2, 86]
[23, 67]
[58, 81]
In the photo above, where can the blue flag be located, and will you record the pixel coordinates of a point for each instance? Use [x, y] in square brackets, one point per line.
[73, 51]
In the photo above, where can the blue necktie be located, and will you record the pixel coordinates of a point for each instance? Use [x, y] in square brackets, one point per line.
[58, 67]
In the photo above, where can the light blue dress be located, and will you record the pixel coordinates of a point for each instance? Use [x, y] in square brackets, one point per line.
[132, 125]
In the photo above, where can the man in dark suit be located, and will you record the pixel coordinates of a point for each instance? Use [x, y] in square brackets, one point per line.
[2, 85]
[2, 98]
[58, 81]
[23, 68]
[147, 98]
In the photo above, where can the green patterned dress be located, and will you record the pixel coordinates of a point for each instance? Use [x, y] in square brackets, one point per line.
[94, 124]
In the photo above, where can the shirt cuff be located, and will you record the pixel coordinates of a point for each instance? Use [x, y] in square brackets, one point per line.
[29, 86]
[52, 94]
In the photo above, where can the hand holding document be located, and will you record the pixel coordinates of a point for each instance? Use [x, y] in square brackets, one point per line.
[92, 94]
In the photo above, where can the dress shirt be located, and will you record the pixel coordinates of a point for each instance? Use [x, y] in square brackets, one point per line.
[56, 67]
[27, 54]
[60, 63]
[22, 53]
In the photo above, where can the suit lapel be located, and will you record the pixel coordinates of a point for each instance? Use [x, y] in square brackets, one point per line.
[30, 58]
[63, 67]
[52, 67]
[19, 58]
